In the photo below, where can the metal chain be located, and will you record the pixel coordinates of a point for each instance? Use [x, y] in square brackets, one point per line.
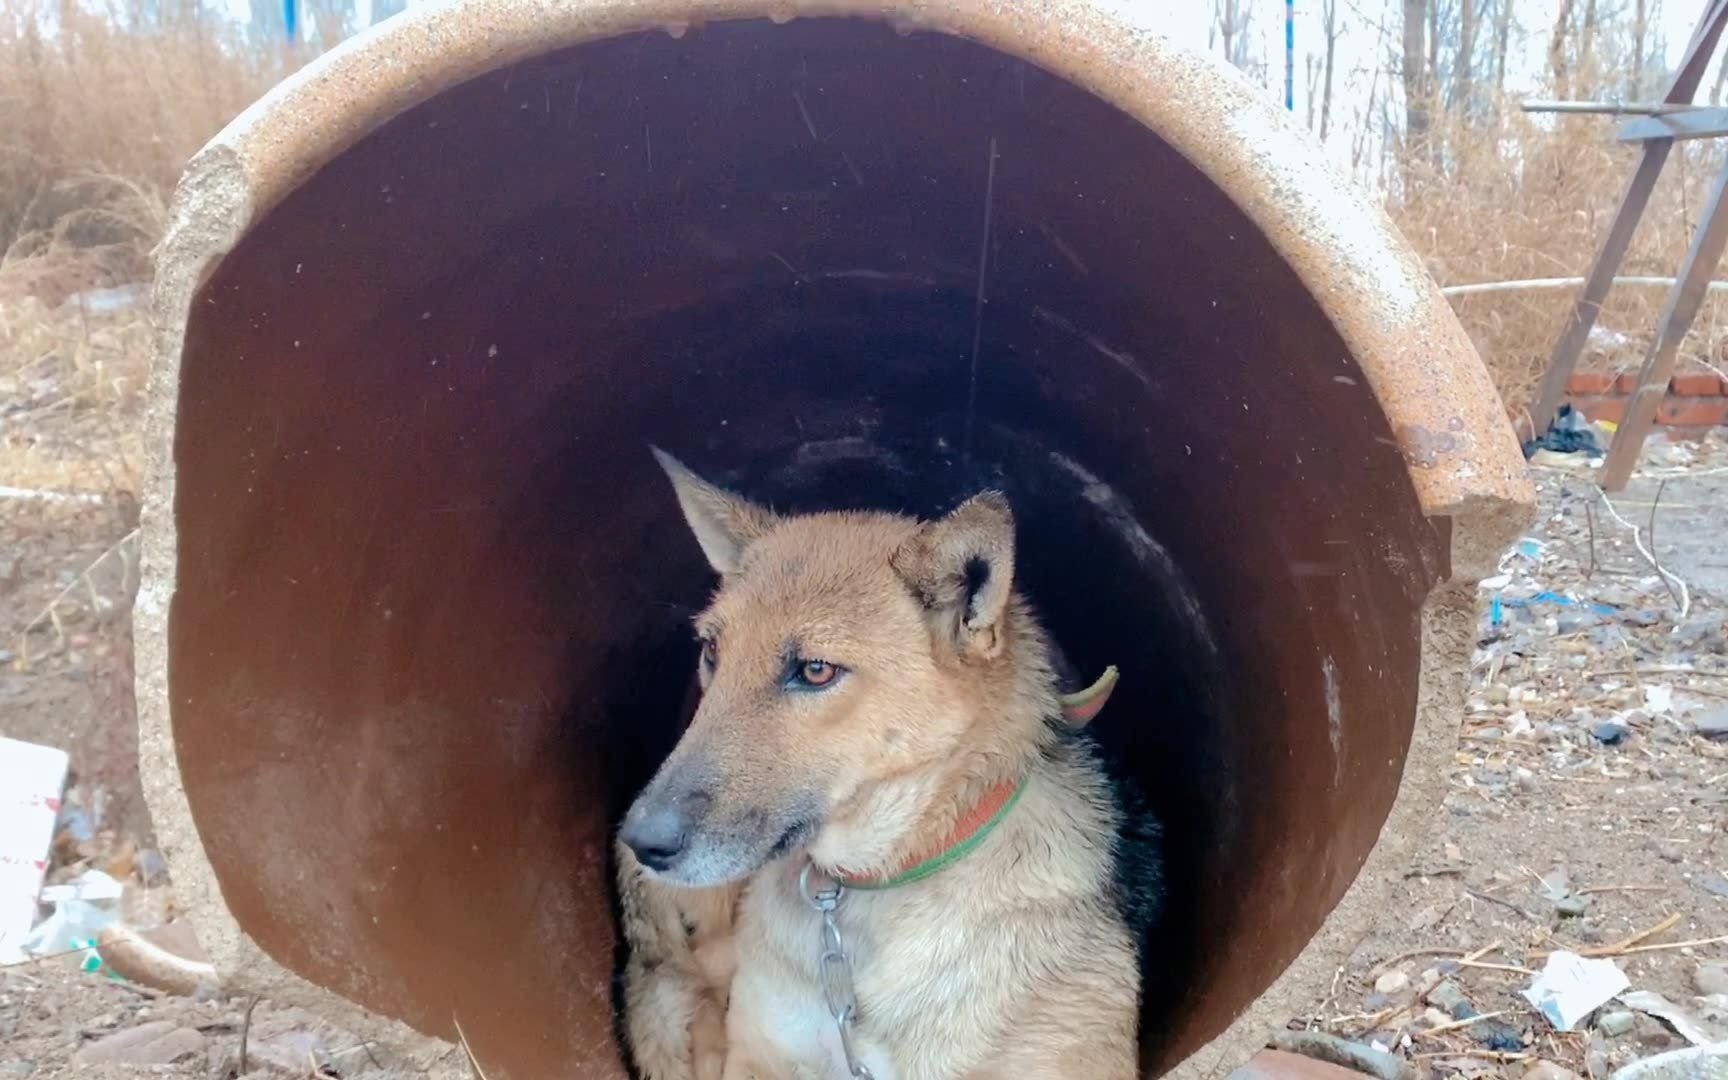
[835, 966]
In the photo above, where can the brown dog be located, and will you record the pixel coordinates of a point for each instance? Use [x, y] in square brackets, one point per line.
[878, 850]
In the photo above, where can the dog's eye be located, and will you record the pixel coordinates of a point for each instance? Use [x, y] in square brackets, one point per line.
[710, 651]
[815, 674]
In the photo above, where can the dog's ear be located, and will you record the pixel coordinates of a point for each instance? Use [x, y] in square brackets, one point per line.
[961, 568]
[724, 523]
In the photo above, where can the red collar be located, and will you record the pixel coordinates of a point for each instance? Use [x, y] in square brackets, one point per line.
[966, 834]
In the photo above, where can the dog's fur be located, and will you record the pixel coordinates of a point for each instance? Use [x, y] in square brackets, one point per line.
[1020, 960]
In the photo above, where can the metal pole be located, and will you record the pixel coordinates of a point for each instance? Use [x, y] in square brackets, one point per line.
[1607, 108]
[1290, 55]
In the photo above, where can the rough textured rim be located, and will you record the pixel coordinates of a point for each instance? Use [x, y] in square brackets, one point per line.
[1464, 463]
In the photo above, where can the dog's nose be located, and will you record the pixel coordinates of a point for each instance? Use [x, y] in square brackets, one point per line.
[657, 834]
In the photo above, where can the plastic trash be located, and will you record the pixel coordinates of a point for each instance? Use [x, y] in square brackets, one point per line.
[82, 910]
[1569, 433]
[1570, 987]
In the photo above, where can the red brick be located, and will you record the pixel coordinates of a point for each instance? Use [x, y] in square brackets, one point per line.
[1696, 384]
[1693, 412]
[1589, 382]
[1626, 383]
[1602, 408]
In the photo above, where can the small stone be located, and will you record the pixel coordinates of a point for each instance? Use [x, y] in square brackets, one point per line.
[17, 1067]
[1617, 1023]
[1571, 906]
[1498, 1035]
[1610, 732]
[1435, 1018]
[152, 867]
[1547, 1070]
[1651, 1033]
[1711, 978]
[1450, 997]
[1640, 617]
[1616, 596]
[1712, 725]
[1714, 884]
[1669, 852]
[1393, 982]
[160, 1042]
[289, 1053]
[1367, 1059]
[1704, 633]
[1496, 695]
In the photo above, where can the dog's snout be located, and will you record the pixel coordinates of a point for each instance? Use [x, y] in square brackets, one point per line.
[658, 831]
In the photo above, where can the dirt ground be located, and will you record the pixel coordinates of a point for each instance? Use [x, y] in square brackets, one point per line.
[1586, 812]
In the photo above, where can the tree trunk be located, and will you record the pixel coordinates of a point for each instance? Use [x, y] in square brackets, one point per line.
[1431, 80]
[1557, 63]
[1330, 14]
[1640, 31]
[1502, 38]
[1366, 125]
[1587, 65]
[1415, 67]
[1311, 84]
[1461, 64]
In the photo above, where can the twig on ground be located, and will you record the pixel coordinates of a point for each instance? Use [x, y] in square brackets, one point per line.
[1492, 899]
[1441, 1029]
[1631, 944]
[1650, 531]
[1590, 521]
[246, 1032]
[473, 1062]
[1695, 943]
[51, 613]
[1594, 889]
[1514, 968]
[1684, 598]
[1491, 1055]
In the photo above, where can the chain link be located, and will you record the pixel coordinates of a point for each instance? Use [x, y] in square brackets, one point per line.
[835, 966]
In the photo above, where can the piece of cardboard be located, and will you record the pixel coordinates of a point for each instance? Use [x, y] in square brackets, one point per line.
[32, 781]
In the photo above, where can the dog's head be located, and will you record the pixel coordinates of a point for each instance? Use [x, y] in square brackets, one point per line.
[842, 660]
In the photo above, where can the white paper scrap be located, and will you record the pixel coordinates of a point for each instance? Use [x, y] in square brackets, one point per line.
[1571, 987]
[32, 779]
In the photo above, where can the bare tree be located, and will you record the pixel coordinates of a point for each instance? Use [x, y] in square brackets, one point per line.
[1311, 74]
[1415, 69]
[1365, 120]
[1502, 38]
[1461, 66]
[1640, 31]
[1587, 61]
[1432, 79]
[1329, 22]
[1230, 21]
[1558, 67]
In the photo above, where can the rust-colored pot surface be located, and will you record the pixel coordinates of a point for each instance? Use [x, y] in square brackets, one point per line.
[414, 624]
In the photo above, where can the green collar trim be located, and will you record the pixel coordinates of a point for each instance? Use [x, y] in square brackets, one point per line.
[937, 863]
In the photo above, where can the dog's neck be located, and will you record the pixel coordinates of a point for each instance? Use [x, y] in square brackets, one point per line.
[1005, 741]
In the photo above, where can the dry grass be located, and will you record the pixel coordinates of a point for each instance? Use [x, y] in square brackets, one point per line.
[99, 112]
[1518, 198]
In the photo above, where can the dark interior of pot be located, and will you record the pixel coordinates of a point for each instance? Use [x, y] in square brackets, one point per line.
[431, 627]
